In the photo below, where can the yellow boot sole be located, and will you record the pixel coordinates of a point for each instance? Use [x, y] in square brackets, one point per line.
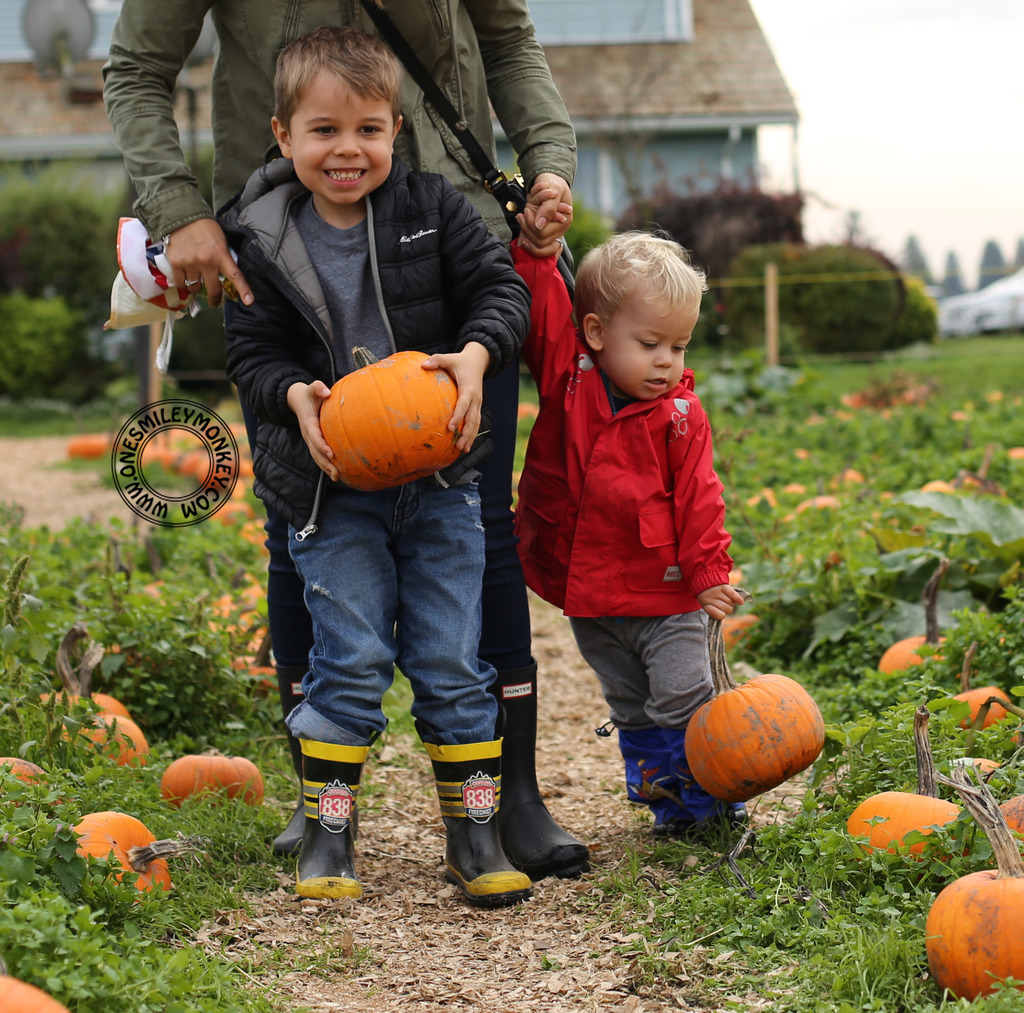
[493, 889]
[329, 887]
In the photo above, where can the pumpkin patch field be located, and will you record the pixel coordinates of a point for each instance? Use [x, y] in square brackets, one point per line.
[868, 506]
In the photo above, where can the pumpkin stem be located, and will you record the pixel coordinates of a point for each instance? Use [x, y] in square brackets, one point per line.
[79, 684]
[721, 677]
[965, 669]
[930, 597]
[362, 356]
[981, 804]
[926, 784]
[141, 857]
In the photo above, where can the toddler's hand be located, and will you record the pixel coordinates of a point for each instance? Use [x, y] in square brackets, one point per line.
[720, 601]
[306, 400]
[467, 369]
[546, 217]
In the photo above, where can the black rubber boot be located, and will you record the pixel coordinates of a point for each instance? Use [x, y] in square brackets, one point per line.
[534, 842]
[289, 686]
[469, 790]
[330, 785]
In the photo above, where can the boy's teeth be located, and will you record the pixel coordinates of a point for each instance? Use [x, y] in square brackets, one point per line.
[339, 175]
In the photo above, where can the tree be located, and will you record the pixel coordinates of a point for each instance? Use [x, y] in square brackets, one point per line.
[952, 282]
[993, 266]
[913, 261]
[1018, 260]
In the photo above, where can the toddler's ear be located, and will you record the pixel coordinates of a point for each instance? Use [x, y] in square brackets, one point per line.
[592, 330]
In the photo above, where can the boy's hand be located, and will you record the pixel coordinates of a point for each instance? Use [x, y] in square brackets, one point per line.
[306, 399]
[467, 369]
[547, 215]
[720, 601]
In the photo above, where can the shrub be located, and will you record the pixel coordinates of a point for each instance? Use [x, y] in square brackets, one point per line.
[38, 339]
[919, 321]
[588, 229]
[58, 235]
[854, 310]
[715, 226]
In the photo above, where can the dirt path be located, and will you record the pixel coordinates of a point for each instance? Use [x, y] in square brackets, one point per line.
[36, 476]
[410, 943]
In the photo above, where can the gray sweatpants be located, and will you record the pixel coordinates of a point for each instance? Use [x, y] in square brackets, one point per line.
[653, 671]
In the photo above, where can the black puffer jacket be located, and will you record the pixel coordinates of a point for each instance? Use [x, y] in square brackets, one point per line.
[442, 280]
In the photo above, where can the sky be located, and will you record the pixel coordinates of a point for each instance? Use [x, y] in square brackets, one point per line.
[911, 113]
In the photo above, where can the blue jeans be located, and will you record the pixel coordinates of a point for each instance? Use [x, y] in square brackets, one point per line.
[394, 578]
[505, 637]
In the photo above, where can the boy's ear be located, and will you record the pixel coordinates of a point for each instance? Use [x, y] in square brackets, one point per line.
[281, 135]
[592, 330]
[398, 126]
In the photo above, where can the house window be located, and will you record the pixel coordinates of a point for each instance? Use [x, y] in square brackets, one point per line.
[592, 22]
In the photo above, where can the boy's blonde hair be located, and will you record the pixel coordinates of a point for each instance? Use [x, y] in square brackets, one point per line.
[364, 62]
[628, 260]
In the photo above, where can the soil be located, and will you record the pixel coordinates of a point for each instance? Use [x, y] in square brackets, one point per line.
[410, 943]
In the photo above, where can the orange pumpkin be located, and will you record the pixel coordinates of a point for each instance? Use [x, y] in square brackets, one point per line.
[126, 735]
[88, 447]
[208, 774]
[387, 422]
[21, 769]
[977, 697]
[886, 818]
[112, 833]
[21, 997]
[1013, 813]
[903, 654]
[751, 737]
[972, 932]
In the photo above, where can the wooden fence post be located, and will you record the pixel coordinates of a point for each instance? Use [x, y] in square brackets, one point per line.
[771, 314]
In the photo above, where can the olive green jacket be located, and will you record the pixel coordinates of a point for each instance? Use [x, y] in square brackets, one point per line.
[499, 59]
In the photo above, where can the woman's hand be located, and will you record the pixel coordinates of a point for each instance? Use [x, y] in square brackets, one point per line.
[547, 215]
[199, 254]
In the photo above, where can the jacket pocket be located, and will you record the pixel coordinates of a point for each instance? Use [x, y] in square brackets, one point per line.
[654, 563]
[539, 518]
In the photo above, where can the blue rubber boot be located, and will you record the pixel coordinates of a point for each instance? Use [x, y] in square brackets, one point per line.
[703, 813]
[658, 776]
[650, 778]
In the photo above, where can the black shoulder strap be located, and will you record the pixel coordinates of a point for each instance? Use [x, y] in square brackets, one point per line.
[432, 90]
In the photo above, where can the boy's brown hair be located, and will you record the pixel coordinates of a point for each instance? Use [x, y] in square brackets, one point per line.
[364, 62]
[631, 260]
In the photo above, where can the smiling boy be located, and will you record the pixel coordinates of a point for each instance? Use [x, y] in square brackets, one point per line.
[344, 246]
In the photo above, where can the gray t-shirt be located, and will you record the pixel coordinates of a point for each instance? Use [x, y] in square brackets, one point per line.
[341, 259]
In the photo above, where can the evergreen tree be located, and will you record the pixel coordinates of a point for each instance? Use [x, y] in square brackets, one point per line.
[993, 267]
[1018, 261]
[913, 261]
[952, 283]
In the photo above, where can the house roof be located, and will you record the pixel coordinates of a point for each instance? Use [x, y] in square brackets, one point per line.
[726, 75]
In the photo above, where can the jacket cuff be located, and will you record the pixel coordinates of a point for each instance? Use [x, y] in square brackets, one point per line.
[171, 210]
[707, 578]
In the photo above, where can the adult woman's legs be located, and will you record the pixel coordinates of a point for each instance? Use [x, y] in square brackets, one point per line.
[532, 839]
[291, 636]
